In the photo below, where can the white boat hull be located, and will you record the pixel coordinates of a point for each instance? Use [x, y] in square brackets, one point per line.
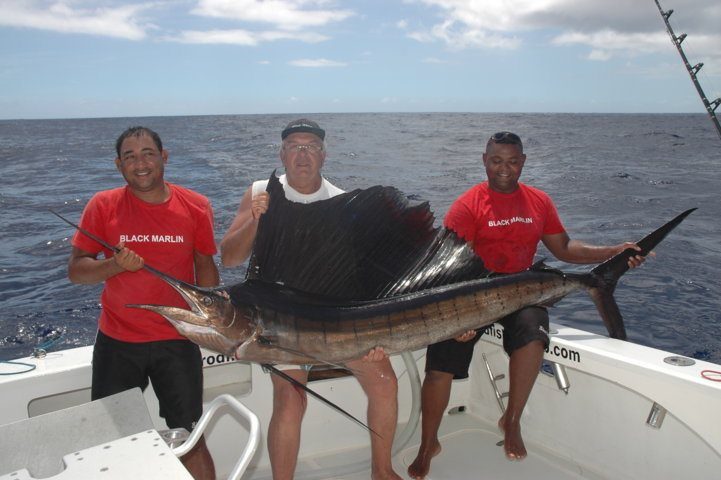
[597, 430]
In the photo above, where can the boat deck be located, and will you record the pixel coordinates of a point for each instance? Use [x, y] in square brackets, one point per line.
[470, 450]
[609, 410]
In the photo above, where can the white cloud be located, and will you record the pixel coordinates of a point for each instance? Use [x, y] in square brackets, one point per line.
[586, 15]
[316, 63]
[611, 41]
[423, 37]
[633, 27]
[243, 37]
[460, 37]
[284, 14]
[232, 37]
[291, 20]
[61, 16]
[599, 55]
[472, 24]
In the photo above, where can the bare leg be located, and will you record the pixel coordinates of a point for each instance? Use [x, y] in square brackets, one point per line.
[379, 382]
[523, 370]
[284, 429]
[199, 462]
[435, 394]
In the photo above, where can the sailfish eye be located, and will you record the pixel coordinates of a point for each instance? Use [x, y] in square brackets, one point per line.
[207, 301]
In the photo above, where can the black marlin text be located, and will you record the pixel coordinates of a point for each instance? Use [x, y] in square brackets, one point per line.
[508, 221]
[152, 238]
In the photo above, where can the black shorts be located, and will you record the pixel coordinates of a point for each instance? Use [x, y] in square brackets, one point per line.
[174, 366]
[519, 329]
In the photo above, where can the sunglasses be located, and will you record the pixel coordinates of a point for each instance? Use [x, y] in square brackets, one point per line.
[506, 137]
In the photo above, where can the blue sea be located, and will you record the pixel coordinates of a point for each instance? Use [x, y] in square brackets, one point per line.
[613, 177]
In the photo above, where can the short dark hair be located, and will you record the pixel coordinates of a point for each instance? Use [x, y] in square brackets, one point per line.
[506, 138]
[137, 132]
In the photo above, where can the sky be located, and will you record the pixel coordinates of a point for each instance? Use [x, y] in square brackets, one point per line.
[108, 58]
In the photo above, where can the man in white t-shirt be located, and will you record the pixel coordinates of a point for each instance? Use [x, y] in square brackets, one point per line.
[303, 154]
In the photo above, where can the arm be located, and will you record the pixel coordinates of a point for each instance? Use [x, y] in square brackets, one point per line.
[86, 268]
[575, 251]
[206, 272]
[237, 242]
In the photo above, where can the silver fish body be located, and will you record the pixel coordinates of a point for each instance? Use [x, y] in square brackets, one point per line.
[302, 329]
[412, 321]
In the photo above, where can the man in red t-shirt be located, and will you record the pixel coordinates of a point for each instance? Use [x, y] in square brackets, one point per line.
[504, 220]
[172, 228]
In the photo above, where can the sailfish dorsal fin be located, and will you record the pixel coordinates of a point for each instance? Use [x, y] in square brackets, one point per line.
[360, 245]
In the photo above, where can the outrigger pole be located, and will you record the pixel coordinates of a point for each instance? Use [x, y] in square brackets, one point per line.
[693, 71]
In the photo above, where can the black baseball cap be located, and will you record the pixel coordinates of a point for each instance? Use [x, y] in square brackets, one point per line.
[303, 125]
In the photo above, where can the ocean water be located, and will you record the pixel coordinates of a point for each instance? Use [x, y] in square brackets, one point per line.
[613, 177]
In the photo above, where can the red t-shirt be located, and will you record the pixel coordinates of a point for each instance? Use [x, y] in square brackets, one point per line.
[166, 236]
[504, 228]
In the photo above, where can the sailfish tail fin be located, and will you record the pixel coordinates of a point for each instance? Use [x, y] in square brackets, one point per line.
[604, 276]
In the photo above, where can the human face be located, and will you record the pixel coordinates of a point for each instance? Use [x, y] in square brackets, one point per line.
[143, 166]
[504, 163]
[303, 155]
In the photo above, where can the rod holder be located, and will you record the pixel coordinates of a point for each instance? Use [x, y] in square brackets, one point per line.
[559, 373]
[656, 416]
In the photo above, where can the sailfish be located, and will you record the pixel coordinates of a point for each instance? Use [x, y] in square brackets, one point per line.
[329, 280]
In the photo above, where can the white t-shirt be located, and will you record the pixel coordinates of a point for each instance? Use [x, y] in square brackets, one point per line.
[326, 191]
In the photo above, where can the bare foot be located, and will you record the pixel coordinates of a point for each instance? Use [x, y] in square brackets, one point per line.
[390, 475]
[513, 444]
[422, 464]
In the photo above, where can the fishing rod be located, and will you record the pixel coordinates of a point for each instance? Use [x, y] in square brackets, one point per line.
[692, 71]
[105, 244]
[271, 368]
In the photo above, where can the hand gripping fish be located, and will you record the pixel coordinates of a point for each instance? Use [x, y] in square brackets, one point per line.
[330, 280]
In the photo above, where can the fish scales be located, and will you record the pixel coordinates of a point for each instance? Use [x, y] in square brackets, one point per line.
[334, 340]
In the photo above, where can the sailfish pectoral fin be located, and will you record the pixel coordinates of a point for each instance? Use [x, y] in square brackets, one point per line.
[262, 340]
[300, 385]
